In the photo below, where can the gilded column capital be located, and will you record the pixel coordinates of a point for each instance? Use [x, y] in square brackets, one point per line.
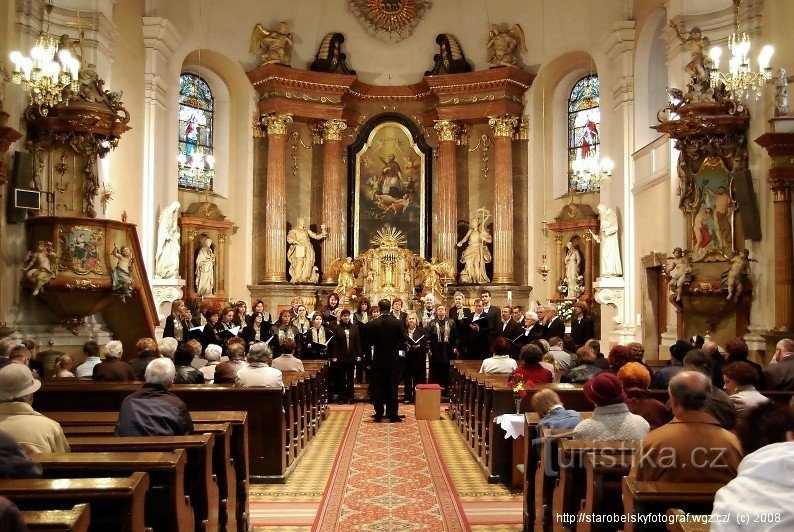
[222, 238]
[317, 129]
[277, 124]
[259, 128]
[447, 130]
[503, 126]
[522, 131]
[333, 129]
[781, 193]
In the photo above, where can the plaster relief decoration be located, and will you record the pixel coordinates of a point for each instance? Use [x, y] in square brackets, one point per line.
[121, 276]
[276, 45]
[300, 254]
[476, 255]
[504, 47]
[389, 20]
[205, 269]
[679, 272]
[168, 235]
[39, 266]
[330, 57]
[608, 238]
[450, 58]
[81, 248]
[737, 275]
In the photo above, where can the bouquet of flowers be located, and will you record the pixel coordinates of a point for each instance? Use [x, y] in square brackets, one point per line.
[519, 391]
[565, 310]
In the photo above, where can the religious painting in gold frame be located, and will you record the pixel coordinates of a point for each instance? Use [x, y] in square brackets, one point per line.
[390, 183]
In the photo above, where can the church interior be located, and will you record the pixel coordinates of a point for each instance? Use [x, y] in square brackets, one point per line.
[396, 265]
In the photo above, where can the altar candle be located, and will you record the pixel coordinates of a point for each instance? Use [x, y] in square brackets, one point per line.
[509, 295]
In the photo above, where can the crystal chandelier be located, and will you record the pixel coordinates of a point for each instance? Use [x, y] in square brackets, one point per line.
[41, 75]
[589, 173]
[740, 80]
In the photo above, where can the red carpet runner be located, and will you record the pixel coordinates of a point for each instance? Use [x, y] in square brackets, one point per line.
[389, 476]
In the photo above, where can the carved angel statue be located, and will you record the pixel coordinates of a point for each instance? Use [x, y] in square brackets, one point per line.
[435, 273]
[39, 266]
[166, 262]
[679, 272]
[122, 273]
[698, 48]
[347, 270]
[608, 238]
[277, 44]
[781, 93]
[301, 253]
[504, 47]
[476, 255]
[738, 273]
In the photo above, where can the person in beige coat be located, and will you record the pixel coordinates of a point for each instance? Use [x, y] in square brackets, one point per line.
[34, 432]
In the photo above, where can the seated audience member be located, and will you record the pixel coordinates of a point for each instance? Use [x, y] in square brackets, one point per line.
[702, 450]
[717, 361]
[113, 369]
[34, 432]
[601, 361]
[258, 373]
[738, 351]
[638, 355]
[13, 461]
[586, 369]
[697, 341]
[635, 379]
[21, 355]
[619, 356]
[500, 362]
[63, 368]
[611, 417]
[213, 355]
[286, 361]
[530, 370]
[719, 406]
[564, 360]
[676, 364]
[34, 363]
[91, 352]
[167, 347]
[198, 361]
[226, 371]
[780, 376]
[184, 373]
[153, 410]
[11, 519]
[765, 474]
[547, 404]
[740, 382]
[147, 351]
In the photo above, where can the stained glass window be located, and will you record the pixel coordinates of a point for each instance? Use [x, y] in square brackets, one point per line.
[195, 156]
[584, 128]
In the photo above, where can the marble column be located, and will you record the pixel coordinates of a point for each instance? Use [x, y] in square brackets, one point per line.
[447, 197]
[503, 130]
[190, 265]
[275, 198]
[333, 211]
[588, 266]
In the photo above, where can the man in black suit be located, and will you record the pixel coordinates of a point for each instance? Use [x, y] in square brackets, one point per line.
[479, 334]
[491, 311]
[554, 325]
[507, 328]
[387, 336]
[582, 325]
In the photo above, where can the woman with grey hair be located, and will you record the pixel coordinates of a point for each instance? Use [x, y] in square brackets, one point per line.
[213, 356]
[259, 373]
[113, 368]
[167, 347]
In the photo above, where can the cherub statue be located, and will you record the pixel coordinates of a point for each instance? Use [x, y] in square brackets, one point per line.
[679, 271]
[39, 266]
[698, 47]
[503, 47]
[122, 273]
[277, 44]
[737, 274]
[435, 273]
[347, 270]
[781, 93]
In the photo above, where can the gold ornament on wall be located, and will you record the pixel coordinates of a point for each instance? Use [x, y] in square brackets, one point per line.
[389, 20]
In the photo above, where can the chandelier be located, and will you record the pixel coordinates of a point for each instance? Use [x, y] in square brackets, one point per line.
[41, 75]
[589, 173]
[740, 80]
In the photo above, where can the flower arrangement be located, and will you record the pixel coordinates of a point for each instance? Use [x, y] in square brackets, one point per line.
[564, 290]
[565, 310]
[519, 391]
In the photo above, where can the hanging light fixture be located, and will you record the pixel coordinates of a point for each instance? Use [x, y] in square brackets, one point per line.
[50, 71]
[740, 80]
[591, 173]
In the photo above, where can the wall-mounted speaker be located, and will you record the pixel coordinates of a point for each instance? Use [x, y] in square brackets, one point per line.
[21, 181]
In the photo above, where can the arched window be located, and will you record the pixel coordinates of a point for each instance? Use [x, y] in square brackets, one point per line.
[584, 126]
[195, 158]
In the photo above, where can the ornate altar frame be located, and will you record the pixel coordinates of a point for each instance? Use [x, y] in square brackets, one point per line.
[576, 221]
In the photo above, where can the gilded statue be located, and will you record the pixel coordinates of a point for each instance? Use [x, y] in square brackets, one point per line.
[737, 274]
[39, 266]
[347, 270]
[300, 254]
[122, 273]
[504, 47]
[435, 274]
[679, 272]
[277, 44]
[476, 255]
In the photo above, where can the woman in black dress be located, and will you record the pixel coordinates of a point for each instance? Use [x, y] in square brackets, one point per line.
[210, 335]
[329, 311]
[316, 341]
[176, 324]
[257, 331]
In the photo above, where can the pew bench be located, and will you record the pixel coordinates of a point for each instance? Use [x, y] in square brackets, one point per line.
[680, 522]
[76, 519]
[603, 487]
[644, 497]
[116, 503]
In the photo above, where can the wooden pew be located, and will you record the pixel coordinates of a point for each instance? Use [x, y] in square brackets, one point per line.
[167, 506]
[546, 472]
[680, 521]
[76, 519]
[200, 483]
[642, 498]
[603, 488]
[223, 468]
[116, 503]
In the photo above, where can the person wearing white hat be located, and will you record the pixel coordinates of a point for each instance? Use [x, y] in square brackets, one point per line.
[34, 432]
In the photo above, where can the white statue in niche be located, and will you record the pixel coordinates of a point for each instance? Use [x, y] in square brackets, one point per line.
[205, 269]
[166, 262]
[301, 253]
[573, 267]
[608, 238]
[476, 255]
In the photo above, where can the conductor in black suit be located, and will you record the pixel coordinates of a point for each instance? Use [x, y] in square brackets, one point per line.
[387, 335]
[582, 325]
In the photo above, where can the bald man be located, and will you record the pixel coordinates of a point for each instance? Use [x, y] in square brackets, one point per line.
[780, 376]
[692, 447]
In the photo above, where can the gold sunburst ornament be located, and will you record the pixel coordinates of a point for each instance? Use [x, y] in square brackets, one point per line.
[389, 20]
[388, 237]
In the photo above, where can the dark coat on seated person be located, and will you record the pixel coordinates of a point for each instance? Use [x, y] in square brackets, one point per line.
[139, 363]
[11, 519]
[641, 403]
[188, 375]
[153, 411]
[13, 461]
[580, 374]
[226, 372]
[113, 370]
[780, 376]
